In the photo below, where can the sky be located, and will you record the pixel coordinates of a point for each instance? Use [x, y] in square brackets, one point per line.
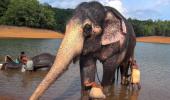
[139, 9]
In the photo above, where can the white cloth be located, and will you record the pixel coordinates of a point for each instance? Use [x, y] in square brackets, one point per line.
[29, 66]
[96, 93]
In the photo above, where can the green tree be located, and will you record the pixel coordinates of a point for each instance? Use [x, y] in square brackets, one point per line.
[150, 27]
[28, 13]
[3, 6]
[61, 18]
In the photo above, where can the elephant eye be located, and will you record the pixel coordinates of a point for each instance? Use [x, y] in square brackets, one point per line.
[87, 30]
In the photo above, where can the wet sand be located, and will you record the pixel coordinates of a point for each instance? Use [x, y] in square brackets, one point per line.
[154, 39]
[25, 32]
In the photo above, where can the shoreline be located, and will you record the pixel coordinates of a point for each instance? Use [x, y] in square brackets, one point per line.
[12, 32]
[154, 39]
[7, 32]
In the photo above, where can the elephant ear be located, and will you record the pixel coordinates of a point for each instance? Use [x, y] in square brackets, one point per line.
[114, 29]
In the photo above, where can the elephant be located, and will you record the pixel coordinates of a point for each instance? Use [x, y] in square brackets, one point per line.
[94, 32]
[124, 68]
[43, 60]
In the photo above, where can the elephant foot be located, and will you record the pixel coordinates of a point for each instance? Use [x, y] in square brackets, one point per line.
[108, 90]
[125, 80]
[96, 92]
[136, 86]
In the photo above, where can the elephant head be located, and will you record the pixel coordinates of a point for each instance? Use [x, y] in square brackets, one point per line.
[90, 20]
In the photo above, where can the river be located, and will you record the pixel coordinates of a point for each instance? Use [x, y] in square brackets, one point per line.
[153, 60]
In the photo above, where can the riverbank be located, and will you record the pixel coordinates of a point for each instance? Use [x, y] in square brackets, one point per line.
[154, 39]
[25, 32]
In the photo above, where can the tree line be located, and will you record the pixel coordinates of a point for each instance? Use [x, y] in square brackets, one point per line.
[150, 27]
[31, 13]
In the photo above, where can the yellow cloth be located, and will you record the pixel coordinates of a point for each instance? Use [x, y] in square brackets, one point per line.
[135, 76]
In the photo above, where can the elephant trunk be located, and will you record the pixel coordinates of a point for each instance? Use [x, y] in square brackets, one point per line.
[70, 47]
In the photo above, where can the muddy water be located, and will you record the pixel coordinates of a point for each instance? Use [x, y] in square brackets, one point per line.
[153, 60]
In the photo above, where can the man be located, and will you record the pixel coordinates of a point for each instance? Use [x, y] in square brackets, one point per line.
[23, 58]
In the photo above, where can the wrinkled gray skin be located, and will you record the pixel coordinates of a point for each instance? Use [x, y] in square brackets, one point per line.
[93, 33]
[40, 61]
[125, 68]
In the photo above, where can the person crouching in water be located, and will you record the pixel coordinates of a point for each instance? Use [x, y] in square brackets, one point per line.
[27, 64]
[23, 58]
[135, 74]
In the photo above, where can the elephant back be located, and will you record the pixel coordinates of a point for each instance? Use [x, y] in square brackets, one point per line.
[43, 60]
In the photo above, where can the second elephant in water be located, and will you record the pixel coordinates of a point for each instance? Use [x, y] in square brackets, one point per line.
[43, 60]
[95, 32]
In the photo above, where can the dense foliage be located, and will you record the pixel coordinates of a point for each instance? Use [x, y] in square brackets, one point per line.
[33, 14]
[28, 13]
[61, 18]
[3, 6]
[150, 27]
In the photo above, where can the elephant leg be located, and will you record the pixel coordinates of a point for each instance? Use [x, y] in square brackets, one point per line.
[87, 70]
[109, 68]
[124, 73]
